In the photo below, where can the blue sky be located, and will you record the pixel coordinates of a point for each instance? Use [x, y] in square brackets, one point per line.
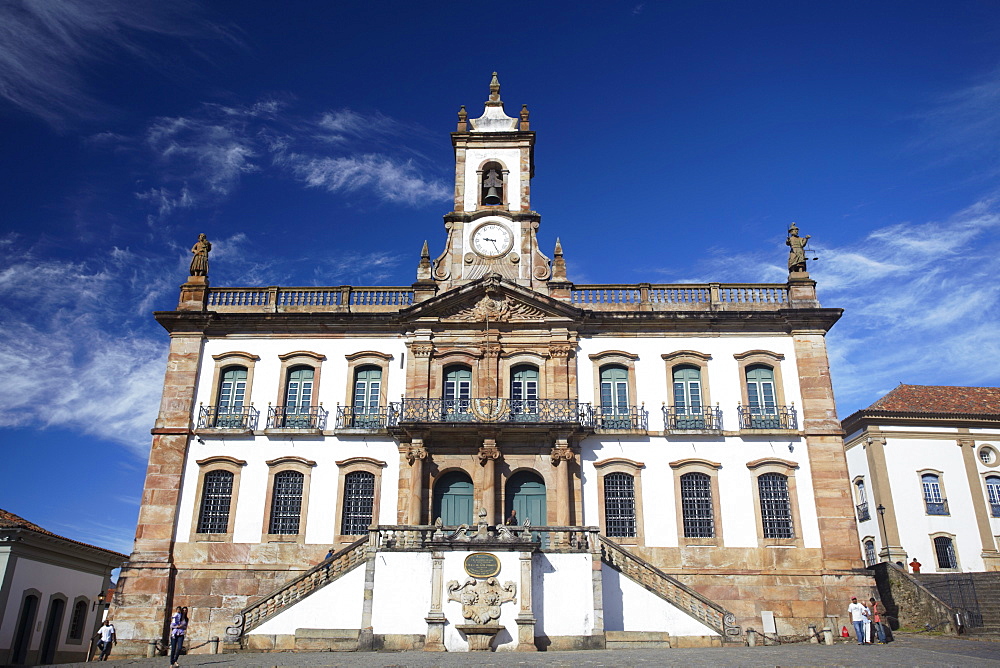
[676, 142]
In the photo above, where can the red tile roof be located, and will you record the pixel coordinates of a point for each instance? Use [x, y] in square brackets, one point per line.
[940, 399]
[9, 520]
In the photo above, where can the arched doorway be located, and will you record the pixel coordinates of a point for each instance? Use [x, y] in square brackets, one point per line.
[526, 495]
[25, 624]
[53, 623]
[453, 499]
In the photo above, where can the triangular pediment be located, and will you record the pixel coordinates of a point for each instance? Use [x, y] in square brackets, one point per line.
[493, 299]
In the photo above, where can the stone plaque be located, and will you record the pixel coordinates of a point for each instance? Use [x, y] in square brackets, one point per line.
[482, 565]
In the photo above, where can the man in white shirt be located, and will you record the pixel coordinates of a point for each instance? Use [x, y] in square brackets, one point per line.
[108, 638]
[859, 615]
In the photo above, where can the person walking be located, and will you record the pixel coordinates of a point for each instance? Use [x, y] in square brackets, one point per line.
[178, 628]
[876, 610]
[107, 636]
[859, 615]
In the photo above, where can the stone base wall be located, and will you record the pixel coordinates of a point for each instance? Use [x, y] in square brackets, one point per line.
[797, 600]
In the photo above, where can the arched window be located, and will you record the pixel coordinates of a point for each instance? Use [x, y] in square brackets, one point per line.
[525, 494]
[25, 629]
[615, 412]
[993, 493]
[619, 505]
[232, 393]
[524, 393]
[944, 550]
[77, 621]
[492, 184]
[367, 394]
[687, 398]
[862, 496]
[761, 402]
[457, 393]
[359, 500]
[453, 499]
[286, 502]
[298, 398]
[870, 558]
[696, 505]
[775, 506]
[933, 499]
[217, 494]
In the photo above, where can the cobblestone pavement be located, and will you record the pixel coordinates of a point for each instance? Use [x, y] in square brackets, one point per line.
[906, 651]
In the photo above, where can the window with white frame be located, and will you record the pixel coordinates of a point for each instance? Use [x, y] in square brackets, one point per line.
[216, 496]
[359, 501]
[993, 494]
[944, 551]
[286, 502]
[934, 500]
[619, 505]
[870, 558]
[696, 505]
[775, 506]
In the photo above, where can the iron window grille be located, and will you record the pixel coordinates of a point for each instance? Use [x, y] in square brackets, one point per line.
[696, 505]
[286, 502]
[767, 417]
[76, 622]
[359, 501]
[863, 514]
[944, 550]
[217, 494]
[775, 506]
[933, 501]
[870, 558]
[619, 505]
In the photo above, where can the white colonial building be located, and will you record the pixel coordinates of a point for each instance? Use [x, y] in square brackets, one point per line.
[51, 593]
[675, 450]
[925, 474]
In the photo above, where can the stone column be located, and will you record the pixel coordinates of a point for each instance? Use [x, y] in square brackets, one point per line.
[435, 617]
[488, 455]
[991, 558]
[416, 455]
[881, 489]
[561, 456]
[597, 582]
[525, 616]
[418, 366]
[146, 585]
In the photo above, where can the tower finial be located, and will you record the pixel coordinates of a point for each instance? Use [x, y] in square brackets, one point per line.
[559, 263]
[494, 100]
[463, 116]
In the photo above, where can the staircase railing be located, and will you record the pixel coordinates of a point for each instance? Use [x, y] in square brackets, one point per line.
[683, 597]
[298, 588]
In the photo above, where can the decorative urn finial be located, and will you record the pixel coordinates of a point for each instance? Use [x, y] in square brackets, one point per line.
[494, 92]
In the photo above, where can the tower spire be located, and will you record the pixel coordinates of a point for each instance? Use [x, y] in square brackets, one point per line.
[494, 100]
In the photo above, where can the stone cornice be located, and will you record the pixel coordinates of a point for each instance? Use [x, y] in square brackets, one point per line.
[867, 417]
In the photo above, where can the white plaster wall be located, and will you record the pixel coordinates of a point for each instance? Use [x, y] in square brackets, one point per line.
[735, 480]
[562, 594]
[510, 571]
[904, 458]
[510, 158]
[49, 579]
[339, 605]
[857, 465]
[402, 595]
[630, 607]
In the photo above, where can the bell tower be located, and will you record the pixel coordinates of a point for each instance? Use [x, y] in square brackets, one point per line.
[492, 227]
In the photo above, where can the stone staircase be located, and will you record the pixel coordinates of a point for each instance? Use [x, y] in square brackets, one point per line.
[967, 591]
[674, 592]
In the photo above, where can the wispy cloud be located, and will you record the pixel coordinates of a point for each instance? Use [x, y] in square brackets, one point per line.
[201, 158]
[46, 47]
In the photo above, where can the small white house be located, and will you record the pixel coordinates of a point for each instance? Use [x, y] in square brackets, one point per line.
[925, 474]
[51, 593]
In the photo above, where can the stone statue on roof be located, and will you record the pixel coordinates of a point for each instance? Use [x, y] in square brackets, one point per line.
[199, 263]
[796, 249]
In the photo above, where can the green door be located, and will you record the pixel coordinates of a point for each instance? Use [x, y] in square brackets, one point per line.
[526, 495]
[453, 499]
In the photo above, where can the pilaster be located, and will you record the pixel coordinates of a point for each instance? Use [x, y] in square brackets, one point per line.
[991, 558]
[526, 616]
[881, 488]
[435, 619]
[488, 456]
[561, 456]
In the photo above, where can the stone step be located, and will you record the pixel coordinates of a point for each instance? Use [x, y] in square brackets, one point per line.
[327, 640]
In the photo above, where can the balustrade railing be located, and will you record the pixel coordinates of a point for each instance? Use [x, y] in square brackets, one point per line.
[863, 515]
[684, 296]
[767, 417]
[367, 417]
[412, 538]
[344, 297]
[937, 507]
[228, 417]
[492, 410]
[296, 417]
[684, 418]
[620, 418]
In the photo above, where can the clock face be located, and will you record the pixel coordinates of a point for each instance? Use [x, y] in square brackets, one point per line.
[492, 240]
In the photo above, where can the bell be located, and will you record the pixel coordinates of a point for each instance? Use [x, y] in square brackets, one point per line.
[492, 197]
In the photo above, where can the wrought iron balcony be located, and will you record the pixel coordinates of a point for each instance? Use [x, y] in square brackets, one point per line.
[491, 410]
[682, 418]
[296, 417]
[366, 417]
[937, 507]
[228, 417]
[767, 417]
[612, 418]
[995, 509]
[863, 515]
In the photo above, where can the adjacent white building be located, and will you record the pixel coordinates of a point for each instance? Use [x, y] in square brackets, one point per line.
[925, 474]
[51, 593]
